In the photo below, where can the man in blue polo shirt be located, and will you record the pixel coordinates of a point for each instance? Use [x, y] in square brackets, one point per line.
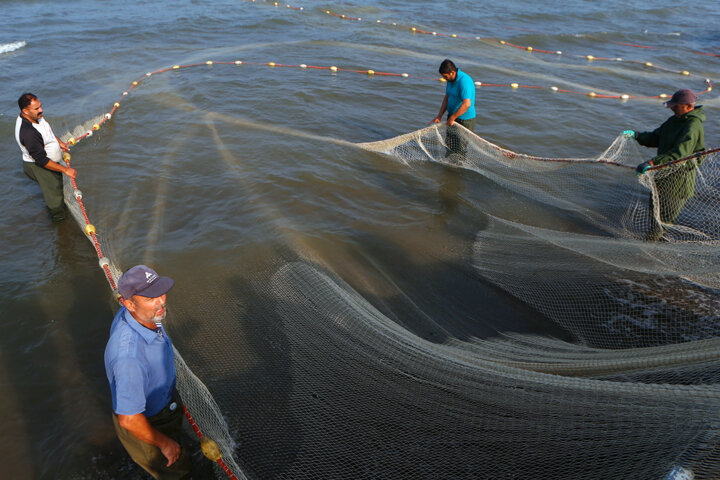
[140, 366]
[459, 102]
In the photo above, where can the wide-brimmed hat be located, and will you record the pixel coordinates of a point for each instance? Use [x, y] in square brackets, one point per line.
[682, 97]
[144, 281]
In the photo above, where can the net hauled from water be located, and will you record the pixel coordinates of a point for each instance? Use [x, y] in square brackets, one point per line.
[633, 395]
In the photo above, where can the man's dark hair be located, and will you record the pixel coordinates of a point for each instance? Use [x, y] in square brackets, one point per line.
[25, 100]
[447, 66]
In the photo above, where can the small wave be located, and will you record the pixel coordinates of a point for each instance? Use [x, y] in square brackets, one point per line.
[11, 47]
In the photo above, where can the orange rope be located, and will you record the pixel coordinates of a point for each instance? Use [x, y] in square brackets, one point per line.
[200, 436]
[116, 105]
[633, 45]
[708, 54]
[89, 229]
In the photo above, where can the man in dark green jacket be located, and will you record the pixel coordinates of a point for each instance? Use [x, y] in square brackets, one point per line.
[681, 135]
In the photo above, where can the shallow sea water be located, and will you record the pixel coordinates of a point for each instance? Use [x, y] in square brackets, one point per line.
[212, 173]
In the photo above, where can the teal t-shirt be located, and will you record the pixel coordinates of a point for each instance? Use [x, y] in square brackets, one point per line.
[463, 87]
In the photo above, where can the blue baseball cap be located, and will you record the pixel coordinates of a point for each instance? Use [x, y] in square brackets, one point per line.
[144, 281]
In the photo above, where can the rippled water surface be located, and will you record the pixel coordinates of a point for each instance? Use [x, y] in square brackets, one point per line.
[213, 172]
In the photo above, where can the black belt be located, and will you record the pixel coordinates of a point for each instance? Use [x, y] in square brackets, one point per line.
[172, 405]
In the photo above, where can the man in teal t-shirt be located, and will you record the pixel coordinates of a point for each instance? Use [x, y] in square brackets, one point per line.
[459, 102]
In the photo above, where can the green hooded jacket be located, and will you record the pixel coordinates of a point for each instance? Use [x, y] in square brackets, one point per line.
[677, 138]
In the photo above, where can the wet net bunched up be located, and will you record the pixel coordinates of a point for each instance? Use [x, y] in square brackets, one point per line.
[309, 379]
[626, 273]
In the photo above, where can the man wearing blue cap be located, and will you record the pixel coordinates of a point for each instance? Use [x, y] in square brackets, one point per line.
[140, 366]
[679, 136]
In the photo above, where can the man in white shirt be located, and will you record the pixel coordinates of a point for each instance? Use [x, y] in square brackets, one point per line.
[42, 154]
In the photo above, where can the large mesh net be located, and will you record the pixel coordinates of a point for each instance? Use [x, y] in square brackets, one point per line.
[322, 382]
[622, 274]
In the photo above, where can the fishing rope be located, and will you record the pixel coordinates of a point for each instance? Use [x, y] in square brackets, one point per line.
[528, 48]
[514, 85]
[89, 229]
[684, 159]
[208, 446]
[634, 45]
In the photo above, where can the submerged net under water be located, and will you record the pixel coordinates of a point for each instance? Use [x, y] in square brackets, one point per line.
[310, 377]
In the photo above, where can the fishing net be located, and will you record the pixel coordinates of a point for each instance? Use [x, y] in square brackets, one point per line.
[312, 376]
[601, 190]
[638, 265]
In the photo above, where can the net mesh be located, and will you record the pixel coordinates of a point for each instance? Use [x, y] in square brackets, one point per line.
[621, 275]
[601, 189]
[322, 383]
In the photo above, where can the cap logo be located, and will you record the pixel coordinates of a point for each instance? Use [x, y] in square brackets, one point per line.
[142, 280]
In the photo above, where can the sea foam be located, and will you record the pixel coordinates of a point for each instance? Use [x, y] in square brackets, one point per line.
[11, 47]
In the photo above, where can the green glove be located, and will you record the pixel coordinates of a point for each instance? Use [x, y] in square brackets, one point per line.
[643, 167]
[629, 134]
